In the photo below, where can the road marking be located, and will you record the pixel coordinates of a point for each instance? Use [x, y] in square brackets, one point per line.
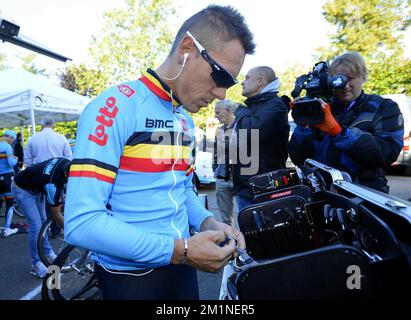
[32, 293]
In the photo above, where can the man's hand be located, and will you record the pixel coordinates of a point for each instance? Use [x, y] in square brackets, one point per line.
[329, 125]
[204, 250]
[57, 216]
[211, 224]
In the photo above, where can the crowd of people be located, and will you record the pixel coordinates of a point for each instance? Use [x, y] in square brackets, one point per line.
[33, 177]
[133, 161]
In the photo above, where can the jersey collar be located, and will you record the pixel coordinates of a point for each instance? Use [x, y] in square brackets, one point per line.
[158, 87]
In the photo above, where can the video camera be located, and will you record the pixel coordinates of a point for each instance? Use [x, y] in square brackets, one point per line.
[318, 84]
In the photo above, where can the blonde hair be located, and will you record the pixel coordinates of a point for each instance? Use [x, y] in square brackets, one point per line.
[351, 60]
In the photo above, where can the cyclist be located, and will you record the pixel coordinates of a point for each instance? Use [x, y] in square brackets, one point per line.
[7, 162]
[130, 197]
[40, 183]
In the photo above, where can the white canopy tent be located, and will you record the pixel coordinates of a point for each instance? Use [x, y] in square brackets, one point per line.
[25, 98]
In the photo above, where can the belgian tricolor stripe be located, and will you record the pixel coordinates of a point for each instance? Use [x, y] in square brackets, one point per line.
[155, 158]
[152, 165]
[190, 170]
[156, 137]
[158, 87]
[3, 156]
[157, 151]
[91, 168]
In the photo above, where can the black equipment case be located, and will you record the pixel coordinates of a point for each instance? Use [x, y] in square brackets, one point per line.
[322, 238]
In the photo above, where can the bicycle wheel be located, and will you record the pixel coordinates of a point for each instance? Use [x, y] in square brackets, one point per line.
[57, 244]
[77, 281]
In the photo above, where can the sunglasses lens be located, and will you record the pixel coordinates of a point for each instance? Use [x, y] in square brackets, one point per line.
[223, 79]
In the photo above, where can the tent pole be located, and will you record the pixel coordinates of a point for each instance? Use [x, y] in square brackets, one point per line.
[33, 120]
[22, 134]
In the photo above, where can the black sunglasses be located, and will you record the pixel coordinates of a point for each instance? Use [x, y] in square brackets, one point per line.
[221, 77]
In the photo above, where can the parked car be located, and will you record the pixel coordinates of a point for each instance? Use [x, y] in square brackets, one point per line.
[293, 125]
[203, 171]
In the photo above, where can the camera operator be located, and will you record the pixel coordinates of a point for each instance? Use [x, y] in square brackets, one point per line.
[267, 113]
[224, 112]
[360, 134]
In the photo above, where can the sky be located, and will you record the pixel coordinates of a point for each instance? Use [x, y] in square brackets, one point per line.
[286, 32]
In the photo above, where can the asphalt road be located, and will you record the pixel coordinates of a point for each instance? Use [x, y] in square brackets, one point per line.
[17, 283]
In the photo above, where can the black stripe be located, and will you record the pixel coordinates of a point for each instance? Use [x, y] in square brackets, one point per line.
[159, 137]
[163, 84]
[95, 163]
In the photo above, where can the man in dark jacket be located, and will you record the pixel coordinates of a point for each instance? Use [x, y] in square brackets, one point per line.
[361, 134]
[262, 131]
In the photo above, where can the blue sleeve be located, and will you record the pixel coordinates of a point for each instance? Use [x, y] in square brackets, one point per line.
[380, 147]
[103, 130]
[11, 158]
[301, 145]
[195, 210]
[53, 194]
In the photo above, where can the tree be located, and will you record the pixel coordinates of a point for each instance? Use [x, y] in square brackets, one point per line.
[133, 39]
[287, 78]
[375, 29]
[3, 62]
[83, 80]
[28, 64]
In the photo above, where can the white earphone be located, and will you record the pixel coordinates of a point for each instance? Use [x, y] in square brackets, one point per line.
[181, 70]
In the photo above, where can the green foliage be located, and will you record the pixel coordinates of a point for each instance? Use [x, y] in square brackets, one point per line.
[60, 127]
[375, 29]
[287, 78]
[388, 76]
[64, 128]
[372, 27]
[83, 80]
[3, 62]
[133, 39]
[29, 64]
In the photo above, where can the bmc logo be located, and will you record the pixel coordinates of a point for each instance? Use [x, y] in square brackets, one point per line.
[156, 123]
[105, 118]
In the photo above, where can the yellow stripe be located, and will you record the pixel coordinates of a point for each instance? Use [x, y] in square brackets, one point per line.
[157, 151]
[158, 84]
[90, 167]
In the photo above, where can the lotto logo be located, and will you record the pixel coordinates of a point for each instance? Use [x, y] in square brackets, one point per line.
[105, 118]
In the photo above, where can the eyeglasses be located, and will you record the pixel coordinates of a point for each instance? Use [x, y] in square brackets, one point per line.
[221, 77]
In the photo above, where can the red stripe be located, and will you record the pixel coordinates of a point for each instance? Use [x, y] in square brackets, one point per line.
[148, 165]
[156, 90]
[91, 174]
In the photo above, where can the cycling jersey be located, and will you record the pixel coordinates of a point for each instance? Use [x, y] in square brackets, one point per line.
[46, 177]
[7, 158]
[129, 193]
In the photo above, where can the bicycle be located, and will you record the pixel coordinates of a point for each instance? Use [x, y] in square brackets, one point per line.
[73, 277]
[57, 244]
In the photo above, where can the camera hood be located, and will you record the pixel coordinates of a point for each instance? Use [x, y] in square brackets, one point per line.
[307, 111]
